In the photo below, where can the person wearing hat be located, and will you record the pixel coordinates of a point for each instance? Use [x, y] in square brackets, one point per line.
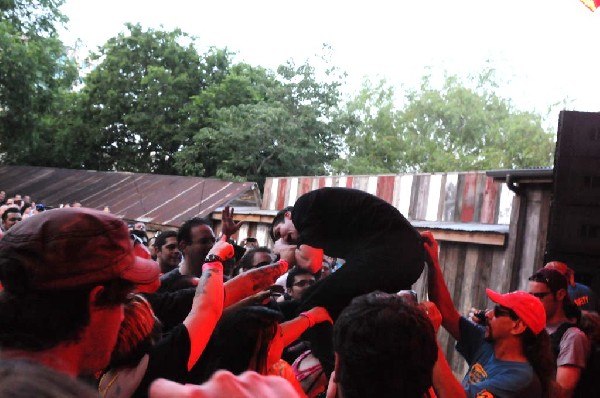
[570, 345]
[581, 295]
[65, 275]
[509, 357]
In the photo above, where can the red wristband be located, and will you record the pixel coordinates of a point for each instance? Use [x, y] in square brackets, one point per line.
[214, 266]
[310, 317]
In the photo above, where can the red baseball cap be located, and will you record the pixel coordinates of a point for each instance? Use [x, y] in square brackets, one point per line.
[527, 307]
[71, 247]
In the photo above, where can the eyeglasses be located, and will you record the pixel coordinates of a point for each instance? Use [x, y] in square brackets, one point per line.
[13, 219]
[503, 311]
[305, 282]
[540, 295]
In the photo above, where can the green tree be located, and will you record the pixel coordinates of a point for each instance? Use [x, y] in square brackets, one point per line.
[134, 102]
[460, 126]
[264, 124]
[35, 75]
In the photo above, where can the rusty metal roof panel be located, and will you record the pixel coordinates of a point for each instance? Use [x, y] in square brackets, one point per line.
[155, 199]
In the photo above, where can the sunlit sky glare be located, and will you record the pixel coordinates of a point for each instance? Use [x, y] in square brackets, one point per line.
[544, 51]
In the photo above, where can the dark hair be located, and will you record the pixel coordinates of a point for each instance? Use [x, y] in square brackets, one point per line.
[293, 273]
[246, 260]
[161, 239]
[39, 320]
[538, 351]
[278, 219]
[386, 348]
[25, 207]
[185, 231]
[24, 379]
[10, 210]
[242, 335]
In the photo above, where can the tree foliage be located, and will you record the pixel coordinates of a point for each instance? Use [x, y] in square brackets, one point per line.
[460, 126]
[35, 73]
[261, 124]
[133, 102]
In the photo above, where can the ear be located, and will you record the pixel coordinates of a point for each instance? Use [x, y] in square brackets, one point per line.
[561, 294]
[288, 215]
[94, 295]
[182, 245]
[518, 328]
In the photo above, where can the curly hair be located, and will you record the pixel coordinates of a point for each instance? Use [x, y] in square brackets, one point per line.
[386, 348]
[139, 331]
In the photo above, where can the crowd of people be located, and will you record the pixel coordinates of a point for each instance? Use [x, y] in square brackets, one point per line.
[91, 306]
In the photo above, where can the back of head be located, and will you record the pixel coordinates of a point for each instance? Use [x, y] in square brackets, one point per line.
[385, 346]
[242, 338]
[25, 379]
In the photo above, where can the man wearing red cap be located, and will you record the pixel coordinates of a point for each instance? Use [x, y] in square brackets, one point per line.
[510, 357]
[66, 274]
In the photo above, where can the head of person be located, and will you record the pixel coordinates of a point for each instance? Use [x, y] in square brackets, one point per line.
[195, 239]
[254, 258]
[250, 243]
[374, 340]
[298, 280]
[520, 316]
[10, 217]
[138, 332]
[550, 286]
[564, 269]
[514, 313]
[66, 274]
[283, 228]
[257, 348]
[168, 254]
[22, 378]
[325, 269]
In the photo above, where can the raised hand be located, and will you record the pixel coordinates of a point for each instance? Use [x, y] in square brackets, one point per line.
[228, 226]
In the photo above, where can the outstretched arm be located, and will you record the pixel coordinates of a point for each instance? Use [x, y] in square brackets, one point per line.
[437, 289]
[253, 281]
[208, 302]
[293, 329]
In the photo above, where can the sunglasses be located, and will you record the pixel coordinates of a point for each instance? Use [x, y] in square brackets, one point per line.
[305, 282]
[503, 311]
[540, 295]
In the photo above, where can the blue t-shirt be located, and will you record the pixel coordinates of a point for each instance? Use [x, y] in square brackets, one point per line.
[583, 297]
[489, 377]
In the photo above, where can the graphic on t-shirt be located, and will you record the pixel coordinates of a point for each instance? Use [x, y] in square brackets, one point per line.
[484, 394]
[477, 374]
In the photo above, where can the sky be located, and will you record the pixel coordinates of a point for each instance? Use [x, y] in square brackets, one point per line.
[545, 52]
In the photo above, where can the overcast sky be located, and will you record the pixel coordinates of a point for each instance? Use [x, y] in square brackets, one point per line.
[545, 51]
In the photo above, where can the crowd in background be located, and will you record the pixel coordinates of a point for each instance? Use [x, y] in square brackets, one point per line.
[92, 306]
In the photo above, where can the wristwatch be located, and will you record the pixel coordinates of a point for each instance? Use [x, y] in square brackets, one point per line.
[212, 258]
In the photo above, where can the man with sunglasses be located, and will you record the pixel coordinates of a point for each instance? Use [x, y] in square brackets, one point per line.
[502, 360]
[570, 345]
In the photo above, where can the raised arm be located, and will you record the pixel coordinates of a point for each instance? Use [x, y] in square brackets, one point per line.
[208, 302]
[437, 289]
